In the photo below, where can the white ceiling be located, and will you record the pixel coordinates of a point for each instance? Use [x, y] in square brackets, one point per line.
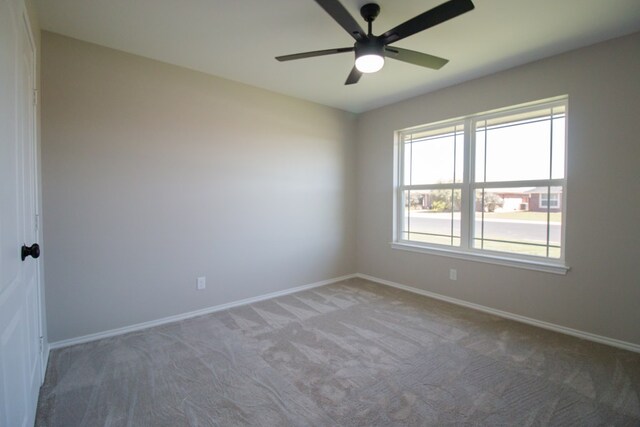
[238, 39]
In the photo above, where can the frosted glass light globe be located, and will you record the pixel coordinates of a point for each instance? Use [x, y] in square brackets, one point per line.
[369, 63]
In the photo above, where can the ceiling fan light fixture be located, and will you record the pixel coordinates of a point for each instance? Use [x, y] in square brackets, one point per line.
[369, 55]
[369, 63]
[370, 50]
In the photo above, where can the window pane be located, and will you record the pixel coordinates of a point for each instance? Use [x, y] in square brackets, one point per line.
[407, 164]
[512, 220]
[435, 156]
[431, 216]
[404, 217]
[518, 147]
[559, 132]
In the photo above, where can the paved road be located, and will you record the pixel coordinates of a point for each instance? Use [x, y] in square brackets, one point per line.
[493, 228]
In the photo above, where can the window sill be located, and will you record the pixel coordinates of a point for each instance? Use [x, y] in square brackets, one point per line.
[547, 267]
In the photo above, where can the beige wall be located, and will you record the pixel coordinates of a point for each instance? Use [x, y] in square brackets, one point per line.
[601, 293]
[154, 175]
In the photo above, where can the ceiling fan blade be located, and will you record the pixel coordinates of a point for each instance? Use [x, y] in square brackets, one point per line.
[428, 19]
[344, 18]
[354, 76]
[314, 53]
[417, 58]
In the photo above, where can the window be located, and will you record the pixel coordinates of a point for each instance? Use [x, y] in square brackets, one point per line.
[549, 200]
[488, 186]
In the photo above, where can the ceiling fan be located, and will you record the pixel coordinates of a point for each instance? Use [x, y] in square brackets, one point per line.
[371, 50]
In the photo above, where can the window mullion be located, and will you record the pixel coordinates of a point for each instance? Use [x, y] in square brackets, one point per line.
[550, 178]
[408, 201]
[485, 150]
[466, 196]
[399, 197]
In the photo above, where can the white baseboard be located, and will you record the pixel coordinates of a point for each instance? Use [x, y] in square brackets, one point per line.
[178, 317]
[504, 314]
[539, 323]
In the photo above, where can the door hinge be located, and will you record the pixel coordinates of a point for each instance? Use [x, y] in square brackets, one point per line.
[35, 97]
[41, 344]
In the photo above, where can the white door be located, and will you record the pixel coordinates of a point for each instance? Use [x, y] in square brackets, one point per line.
[20, 348]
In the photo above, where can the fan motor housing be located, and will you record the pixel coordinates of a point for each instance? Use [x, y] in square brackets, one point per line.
[371, 46]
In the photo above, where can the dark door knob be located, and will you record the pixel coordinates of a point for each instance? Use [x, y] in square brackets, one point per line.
[33, 251]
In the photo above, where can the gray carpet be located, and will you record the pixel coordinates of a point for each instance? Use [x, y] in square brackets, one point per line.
[349, 354]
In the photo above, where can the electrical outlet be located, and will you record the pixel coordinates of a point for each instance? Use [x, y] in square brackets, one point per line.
[201, 283]
[453, 274]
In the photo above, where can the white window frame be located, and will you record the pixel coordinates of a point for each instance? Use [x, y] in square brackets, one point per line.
[468, 186]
